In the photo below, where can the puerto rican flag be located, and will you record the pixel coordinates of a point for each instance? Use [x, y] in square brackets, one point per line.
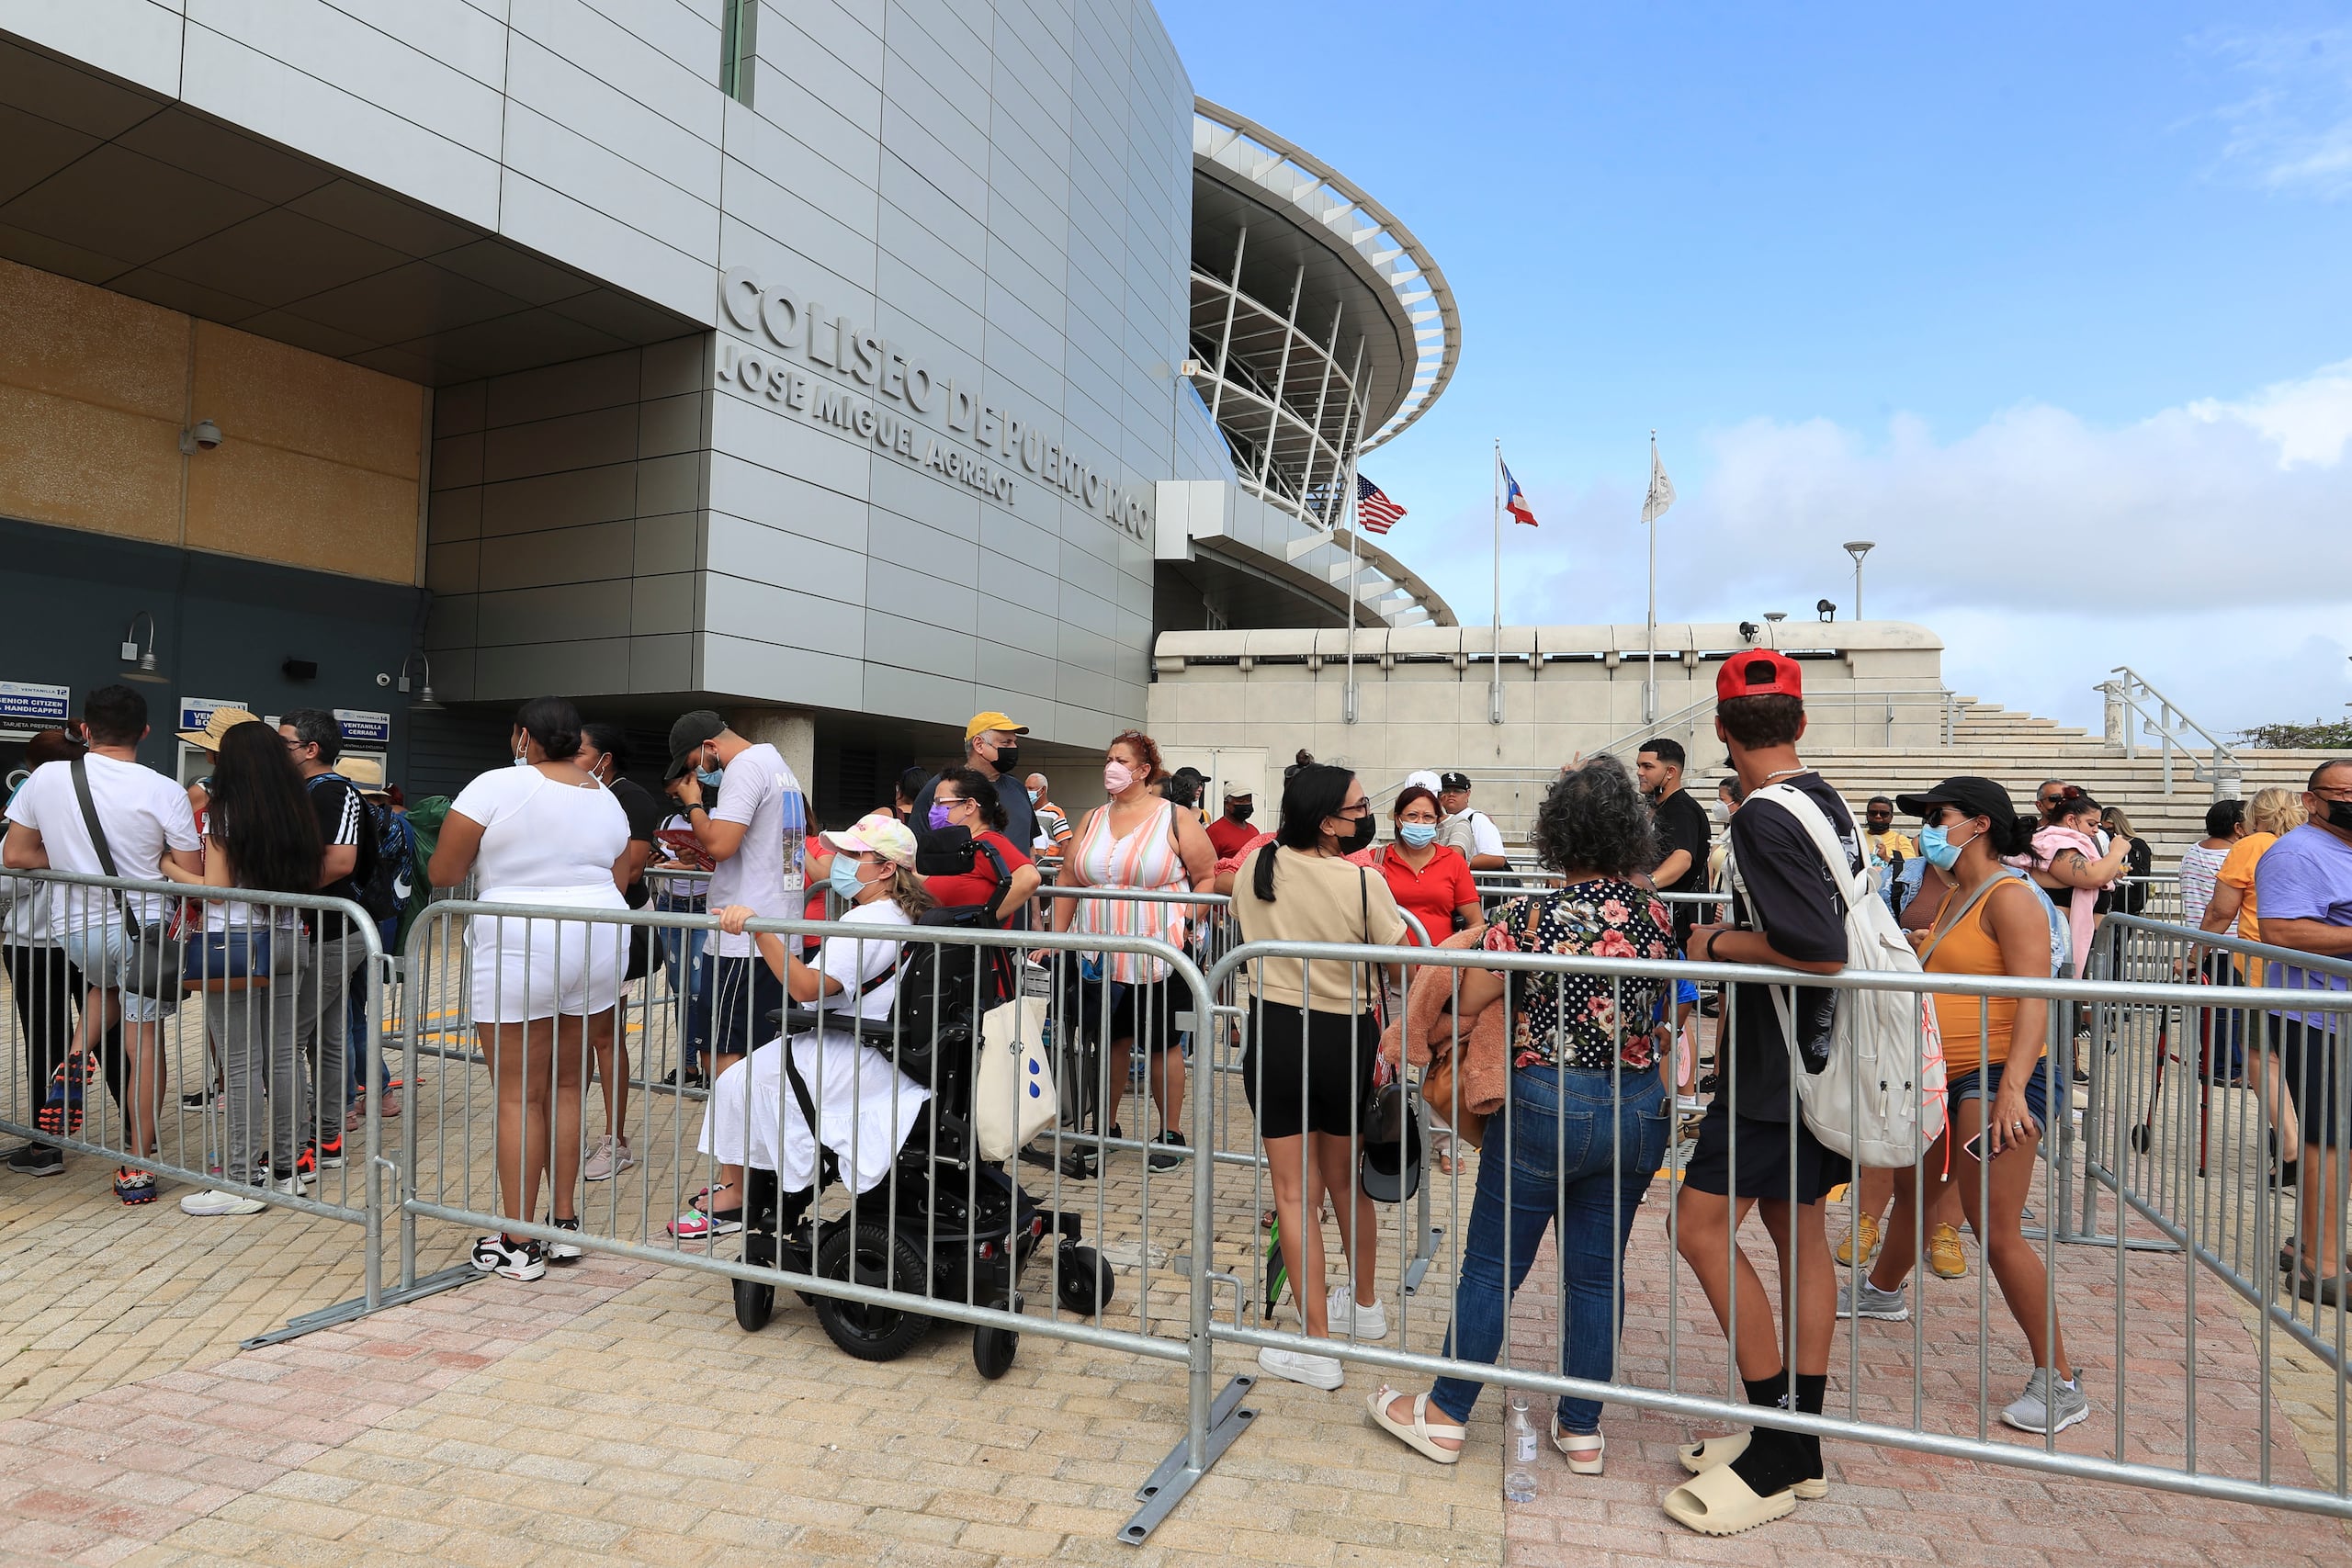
[1374, 510]
[1515, 500]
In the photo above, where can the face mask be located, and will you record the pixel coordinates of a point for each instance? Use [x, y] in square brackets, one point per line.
[1718, 813]
[1941, 852]
[710, 777]
[1117, 778]
[521, 761]
[843, 879]
[1360, 838]
[1877, 826]
[1035, 795]
[2338, 813]
[1240, 813]
[938, 818]
[1008, 759]
[1419, 835]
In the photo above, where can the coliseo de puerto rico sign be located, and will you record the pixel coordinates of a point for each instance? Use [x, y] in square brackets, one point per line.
[986, 447]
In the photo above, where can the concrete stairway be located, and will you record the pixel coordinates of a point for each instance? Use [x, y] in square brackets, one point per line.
[2020, 750]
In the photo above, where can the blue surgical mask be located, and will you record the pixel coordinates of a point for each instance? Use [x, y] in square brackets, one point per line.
[843, 879]
[710, 777]
[1941, 852]
[1419, 835]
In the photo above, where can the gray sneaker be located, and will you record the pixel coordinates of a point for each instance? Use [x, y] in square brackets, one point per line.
[2047, 1404]
[1860, 1297]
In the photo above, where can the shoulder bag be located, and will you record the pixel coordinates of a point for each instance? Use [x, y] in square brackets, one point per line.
[150, 954]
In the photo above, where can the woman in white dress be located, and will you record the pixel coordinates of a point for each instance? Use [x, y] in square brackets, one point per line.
[865, 1106]
[542, 831]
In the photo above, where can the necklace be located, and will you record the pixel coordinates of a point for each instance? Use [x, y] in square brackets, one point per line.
[1784, 773]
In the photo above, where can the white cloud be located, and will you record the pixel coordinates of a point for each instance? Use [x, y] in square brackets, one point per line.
[2292, 130]
[2208, 547]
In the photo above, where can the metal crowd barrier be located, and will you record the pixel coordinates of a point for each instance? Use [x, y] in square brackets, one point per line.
[912, 1224]
[233, 1077]
[1700, 1383]
[2193, 1128]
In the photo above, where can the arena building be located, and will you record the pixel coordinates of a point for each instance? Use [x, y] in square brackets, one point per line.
[850, 365]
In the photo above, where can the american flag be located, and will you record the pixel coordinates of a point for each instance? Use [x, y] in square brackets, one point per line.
[1375, 511]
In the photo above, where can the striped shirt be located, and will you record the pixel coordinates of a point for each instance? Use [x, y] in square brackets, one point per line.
[1146, 858]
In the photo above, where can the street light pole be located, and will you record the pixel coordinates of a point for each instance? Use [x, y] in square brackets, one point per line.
[1858, 549]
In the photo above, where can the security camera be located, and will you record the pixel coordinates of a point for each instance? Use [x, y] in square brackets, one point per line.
[1826, 610]
[1750, 630]
[204, 435]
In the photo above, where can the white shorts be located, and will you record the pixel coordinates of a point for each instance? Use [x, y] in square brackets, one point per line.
[866, 1108]
[545, 968]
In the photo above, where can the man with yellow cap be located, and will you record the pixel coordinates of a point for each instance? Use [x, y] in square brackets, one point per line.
[992, 747]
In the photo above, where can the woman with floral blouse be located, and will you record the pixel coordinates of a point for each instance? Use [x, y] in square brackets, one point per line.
[1586, 1125]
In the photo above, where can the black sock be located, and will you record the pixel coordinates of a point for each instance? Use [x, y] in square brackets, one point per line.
[1813, 1388]
[1774, 1460]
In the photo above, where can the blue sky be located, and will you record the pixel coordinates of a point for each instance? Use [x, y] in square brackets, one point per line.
[2052, 301]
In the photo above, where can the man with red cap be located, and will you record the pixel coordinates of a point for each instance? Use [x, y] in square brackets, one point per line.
[1754, 1147]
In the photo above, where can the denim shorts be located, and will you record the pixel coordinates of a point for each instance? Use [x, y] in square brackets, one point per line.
[98, 953]
[1974, 1084]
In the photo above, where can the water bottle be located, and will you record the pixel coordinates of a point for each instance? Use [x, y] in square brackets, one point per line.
[1518, 1458]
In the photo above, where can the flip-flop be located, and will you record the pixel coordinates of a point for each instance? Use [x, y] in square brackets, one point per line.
[1704, 1456]
[1418, 1434]
[1718, 1502]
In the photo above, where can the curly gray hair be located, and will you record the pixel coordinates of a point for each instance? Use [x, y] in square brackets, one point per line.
[1593, 820]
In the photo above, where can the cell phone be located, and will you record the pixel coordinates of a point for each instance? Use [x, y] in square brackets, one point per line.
[1974, 1148]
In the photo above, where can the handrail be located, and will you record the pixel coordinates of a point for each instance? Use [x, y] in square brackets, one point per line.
[2167, 723]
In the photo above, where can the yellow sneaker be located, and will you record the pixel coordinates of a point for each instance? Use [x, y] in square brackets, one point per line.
[1865, 1234]
[1944, 1255]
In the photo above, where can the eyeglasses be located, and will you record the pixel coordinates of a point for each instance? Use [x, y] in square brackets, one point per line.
[1362, 808]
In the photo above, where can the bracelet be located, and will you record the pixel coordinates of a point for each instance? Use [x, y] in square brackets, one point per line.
[1709, 954]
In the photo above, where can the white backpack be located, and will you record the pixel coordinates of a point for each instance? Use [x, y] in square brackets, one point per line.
[1880, 1101]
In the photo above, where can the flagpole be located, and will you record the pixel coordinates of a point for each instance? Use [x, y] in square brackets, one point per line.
[1649, 689]
[1347, 510]
[1495, 700]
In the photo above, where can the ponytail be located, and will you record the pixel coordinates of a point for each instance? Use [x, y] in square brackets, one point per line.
[1261, 875]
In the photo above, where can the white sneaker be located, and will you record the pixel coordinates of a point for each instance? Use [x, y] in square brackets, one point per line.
[607, 1159]
[213, 1201]
[1350, 1318]
[291, 1186]
[1315, 1371]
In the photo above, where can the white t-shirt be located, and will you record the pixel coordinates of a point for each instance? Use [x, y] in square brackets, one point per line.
[854, 963]
[1473, 832]
[143, 813]
[539, 833]
[759, 792]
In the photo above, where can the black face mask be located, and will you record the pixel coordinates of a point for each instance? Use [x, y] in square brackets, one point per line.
[1359, 839]
[1008, 759]
[1240, 813]
[2338, 814]
[1879, 824]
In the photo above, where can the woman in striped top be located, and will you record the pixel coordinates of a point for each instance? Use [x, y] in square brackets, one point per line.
[1138, 841]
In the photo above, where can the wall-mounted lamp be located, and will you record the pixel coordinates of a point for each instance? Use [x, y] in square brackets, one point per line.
[1776, 616]
[1826, 610]
[202, 436]
[1750, 630]
[424, 703]
[142, 658]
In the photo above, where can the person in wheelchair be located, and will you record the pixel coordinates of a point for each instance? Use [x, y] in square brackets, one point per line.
[865, 1107]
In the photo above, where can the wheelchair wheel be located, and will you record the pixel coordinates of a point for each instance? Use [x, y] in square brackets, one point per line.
[992, 1351]
[754, 1304]
[1086, 1284]
[875, 1254]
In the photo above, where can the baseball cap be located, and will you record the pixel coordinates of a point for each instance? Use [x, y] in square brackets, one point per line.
[1390, 1170]
[984, 722]
[1235, 789]
[1760, 673]
[1426, 778]
[217, 723]
[687, 735]
[1452, 782]
[1977, 796]
[876, 833]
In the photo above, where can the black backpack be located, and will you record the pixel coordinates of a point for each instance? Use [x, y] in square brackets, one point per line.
[380, 879]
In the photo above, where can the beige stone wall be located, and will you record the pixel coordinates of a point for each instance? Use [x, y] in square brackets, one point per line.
[318, 468]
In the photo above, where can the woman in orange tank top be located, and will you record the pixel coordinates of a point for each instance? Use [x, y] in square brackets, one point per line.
[2001, 1095]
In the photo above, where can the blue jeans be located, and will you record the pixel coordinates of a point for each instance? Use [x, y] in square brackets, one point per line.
[1569, 1152]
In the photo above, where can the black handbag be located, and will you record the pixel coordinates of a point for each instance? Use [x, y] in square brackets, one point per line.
[152, 961]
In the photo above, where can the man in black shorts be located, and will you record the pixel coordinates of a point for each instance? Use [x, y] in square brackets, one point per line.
[1754, 1147]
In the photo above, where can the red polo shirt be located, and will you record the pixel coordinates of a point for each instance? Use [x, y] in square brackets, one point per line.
[1432, 893]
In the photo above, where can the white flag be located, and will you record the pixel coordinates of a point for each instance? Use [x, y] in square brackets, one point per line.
[1661, 487]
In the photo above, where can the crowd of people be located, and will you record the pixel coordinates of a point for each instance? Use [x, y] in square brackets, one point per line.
[1593, 1072]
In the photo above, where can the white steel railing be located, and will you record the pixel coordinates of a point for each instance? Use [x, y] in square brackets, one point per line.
[2133, 703]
